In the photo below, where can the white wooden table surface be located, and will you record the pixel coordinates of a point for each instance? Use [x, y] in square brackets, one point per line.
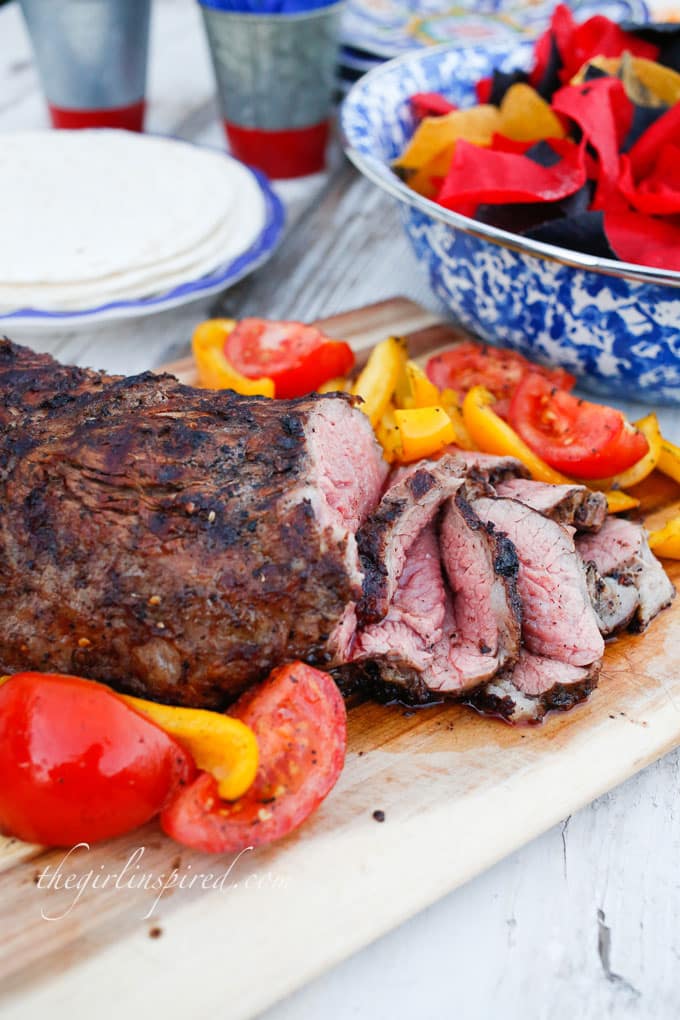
[584, 921]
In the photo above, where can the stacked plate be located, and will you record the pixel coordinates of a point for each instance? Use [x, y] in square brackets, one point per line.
[105, 224]
[377, 30]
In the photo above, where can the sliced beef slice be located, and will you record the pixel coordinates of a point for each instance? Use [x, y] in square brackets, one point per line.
[558, 621]
[615, 601]
[574, 505]
[409, 505]
[535, 686]
[398, 651]
[491, 468]
[622, 557]
[482, 567]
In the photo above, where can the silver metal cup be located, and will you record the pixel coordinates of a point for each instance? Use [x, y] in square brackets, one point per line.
[275, 76]
[92, 59]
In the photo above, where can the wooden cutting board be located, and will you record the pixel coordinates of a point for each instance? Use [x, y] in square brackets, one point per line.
[458, 792]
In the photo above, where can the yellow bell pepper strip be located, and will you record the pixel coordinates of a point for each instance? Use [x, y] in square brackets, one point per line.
[338, 385]
[649, 427]
[223, 746]
[450, 401]
[417, 390]
[491, 434]
[214, 370]
[389, 436]
[666, 541]
[423, 431]
[379, 377]
[618, 502]
[669, 461]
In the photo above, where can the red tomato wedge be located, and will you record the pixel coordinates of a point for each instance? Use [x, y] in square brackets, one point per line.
[298, 358]
[470, 364]
[78, 764]
[574, 436]
[299, 718]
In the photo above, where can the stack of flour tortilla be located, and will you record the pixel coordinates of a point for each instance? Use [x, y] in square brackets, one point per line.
[93, 217]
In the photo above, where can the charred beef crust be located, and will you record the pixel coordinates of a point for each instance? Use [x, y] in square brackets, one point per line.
[560, 698]
[384, 681]
[165, 540]
[615, 600]
[33, 384]
[573, 505]
[589, 514]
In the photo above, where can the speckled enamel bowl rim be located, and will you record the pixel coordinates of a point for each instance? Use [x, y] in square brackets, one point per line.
[373, 168]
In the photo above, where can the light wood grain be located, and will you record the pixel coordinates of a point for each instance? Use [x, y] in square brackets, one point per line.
[459, 792]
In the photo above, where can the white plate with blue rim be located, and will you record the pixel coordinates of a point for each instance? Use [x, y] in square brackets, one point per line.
[124, 226]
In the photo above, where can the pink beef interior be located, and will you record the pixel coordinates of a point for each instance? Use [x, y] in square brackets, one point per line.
[479, 600]
[558, 620]
[350, 472]
[413, 624]
[612, 548]
[535, 675]
[349, 463]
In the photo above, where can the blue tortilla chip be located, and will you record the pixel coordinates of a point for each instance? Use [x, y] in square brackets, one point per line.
[584, 232]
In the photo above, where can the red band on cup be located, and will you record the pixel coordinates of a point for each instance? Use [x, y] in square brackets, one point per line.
[294, 152]
[130, 118]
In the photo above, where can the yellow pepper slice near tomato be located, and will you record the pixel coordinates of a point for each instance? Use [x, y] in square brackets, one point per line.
[450, 401]
[219, 744]
[649, 427]
[223, 746]
[338, 385]
[214, 370]
[619, 502]
[669, 461]
[388, 435]
[416, 389]
[491, 434]
[379, 377]
[666, 541]
[423, 431]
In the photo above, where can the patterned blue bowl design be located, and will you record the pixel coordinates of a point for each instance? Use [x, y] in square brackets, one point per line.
[615, 325]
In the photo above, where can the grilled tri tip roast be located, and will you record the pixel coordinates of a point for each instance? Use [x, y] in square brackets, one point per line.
[179, 543]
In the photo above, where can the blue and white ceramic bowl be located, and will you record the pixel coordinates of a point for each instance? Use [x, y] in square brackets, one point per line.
[615, 325]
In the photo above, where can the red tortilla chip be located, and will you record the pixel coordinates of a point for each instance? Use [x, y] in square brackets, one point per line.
[658, 194]
[430, 104]
[550, 47]
[577, 44]
[643, 239]
[600, 37]
[665, 130]
[483, 89]
[502, 144]
[604, 113]
[485, 175]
